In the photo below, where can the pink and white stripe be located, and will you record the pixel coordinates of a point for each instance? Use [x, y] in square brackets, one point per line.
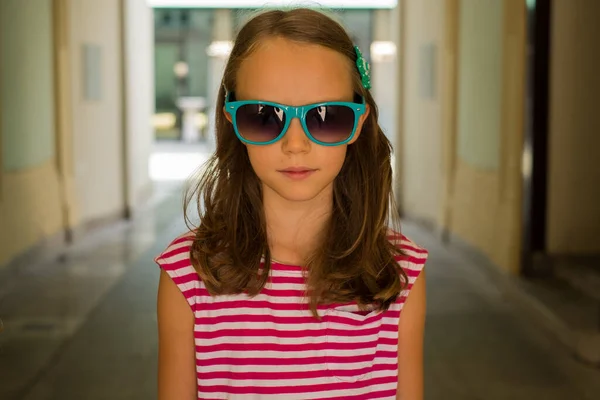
[270, 346]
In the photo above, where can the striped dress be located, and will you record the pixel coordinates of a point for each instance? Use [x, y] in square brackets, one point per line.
[271, 347]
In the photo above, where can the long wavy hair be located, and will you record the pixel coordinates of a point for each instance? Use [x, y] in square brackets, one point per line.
[356, 261]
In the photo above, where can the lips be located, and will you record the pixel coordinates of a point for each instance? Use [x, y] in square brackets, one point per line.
[297, 173]
[297, 169]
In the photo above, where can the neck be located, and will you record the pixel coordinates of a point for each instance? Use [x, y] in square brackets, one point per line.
[294, 227]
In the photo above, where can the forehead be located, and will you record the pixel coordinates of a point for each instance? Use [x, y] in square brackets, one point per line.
[293, 73]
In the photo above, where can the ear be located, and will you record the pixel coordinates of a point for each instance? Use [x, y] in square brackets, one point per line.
[361, 122]
[227, 115]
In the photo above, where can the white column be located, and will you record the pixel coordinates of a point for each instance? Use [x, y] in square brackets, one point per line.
[218, 52]
[139, 99]
[384, 70]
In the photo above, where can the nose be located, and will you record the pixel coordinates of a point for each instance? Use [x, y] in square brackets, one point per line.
[295, 139]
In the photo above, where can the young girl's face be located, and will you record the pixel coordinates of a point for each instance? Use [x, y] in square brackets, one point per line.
[293, 74]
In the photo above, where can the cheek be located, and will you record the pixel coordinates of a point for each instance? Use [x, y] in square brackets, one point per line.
[260, 158]
[333, 158]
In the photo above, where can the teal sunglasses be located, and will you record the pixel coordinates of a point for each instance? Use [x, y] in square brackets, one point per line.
[329, 123]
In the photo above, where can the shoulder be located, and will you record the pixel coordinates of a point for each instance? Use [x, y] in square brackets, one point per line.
[176, 262]
[412, 253]
[177, 253]
[413, 257]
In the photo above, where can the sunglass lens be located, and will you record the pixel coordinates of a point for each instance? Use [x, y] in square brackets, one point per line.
[330, 124]
[260, 123]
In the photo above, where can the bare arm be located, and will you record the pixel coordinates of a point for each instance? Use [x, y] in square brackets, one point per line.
[410, 343]
[176, 351]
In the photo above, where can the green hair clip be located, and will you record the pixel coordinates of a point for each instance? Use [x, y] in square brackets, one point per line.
[364, 68]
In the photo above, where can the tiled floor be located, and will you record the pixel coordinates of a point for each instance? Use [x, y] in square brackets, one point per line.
[85, 327]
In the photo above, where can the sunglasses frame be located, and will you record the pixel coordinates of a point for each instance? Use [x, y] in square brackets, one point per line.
[292, 112]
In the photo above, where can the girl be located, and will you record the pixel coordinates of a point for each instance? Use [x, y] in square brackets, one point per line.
[293, 284]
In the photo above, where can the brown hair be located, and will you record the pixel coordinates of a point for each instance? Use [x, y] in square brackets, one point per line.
[356, 261]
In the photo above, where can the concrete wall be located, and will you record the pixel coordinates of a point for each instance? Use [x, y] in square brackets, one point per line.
[419, 147]
[68, 155]
[574, 173]
[30, 206]
[462, 135]
[480, 83]
[486, 191]
[27, 84]
[98, 145]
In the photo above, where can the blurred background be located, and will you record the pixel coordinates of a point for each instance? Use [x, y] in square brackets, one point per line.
[107, 106]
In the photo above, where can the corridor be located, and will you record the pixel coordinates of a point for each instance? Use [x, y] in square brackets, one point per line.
[491, 107]
[83, 326]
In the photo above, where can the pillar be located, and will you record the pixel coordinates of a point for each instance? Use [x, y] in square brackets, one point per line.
[218, 53]
[385, 70]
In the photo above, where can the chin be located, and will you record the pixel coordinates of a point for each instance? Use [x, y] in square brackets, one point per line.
[298, 192]
[298, 195]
